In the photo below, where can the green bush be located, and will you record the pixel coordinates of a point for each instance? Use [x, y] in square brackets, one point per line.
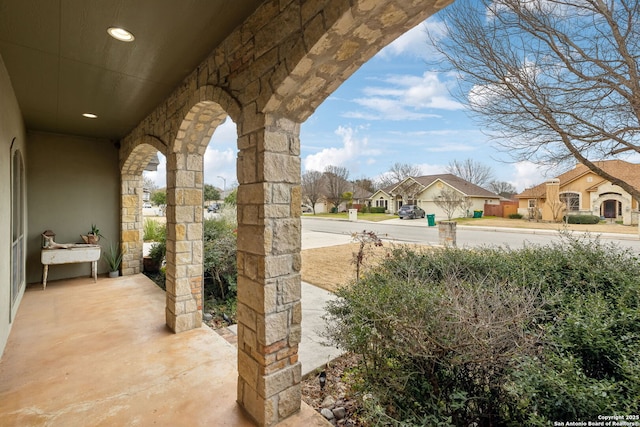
[154, 231]
[496, 336]
[220, 265]
[377, 209]
[581, 219]
[515, 216]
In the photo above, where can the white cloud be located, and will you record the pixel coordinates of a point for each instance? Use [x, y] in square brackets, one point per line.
[220, 157]
[159, 176]
[451, 147]
[220, 163]
[429, 169]
[528, 174]
[414, 43]
[405, 97]
[352, 148]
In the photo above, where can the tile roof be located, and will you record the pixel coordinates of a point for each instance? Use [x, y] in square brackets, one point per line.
[628, 172]
[456, 182]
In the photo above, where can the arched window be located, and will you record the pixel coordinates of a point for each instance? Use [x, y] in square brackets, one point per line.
[572, 200]
[17, 227]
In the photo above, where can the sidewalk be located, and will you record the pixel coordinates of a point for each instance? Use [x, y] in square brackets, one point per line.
[311, 352]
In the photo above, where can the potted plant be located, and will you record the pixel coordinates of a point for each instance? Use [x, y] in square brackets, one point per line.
[93, 236]
[113, 257]
[153, 261]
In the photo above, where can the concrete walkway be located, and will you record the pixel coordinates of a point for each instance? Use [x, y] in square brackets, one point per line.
[312, 353]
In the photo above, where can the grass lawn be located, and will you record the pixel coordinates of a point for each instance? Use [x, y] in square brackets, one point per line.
[361, 216]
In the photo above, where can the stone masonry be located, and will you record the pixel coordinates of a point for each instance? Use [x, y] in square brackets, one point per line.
[268, 76]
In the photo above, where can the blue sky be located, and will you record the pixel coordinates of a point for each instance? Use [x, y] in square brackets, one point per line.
[395, 108]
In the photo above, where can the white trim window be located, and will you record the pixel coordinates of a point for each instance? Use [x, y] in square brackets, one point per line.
[532, 203]
[572, 200]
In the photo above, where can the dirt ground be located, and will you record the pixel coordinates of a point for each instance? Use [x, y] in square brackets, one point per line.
[333, 266]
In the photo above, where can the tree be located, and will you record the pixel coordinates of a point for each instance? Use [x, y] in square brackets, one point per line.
[552, 81]
[149, 184]
[159, 197]
[450, 200]
[365, 184]
[312, 187]
[472, 171]
[336, 184]
[399, 172]
[503, 189]
[211, 193]
[232, 198]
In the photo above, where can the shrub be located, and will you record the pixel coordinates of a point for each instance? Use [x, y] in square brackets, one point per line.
[158, 251]
[495, 336]
[377, 209]
[515, 216]
[154, 231]
[220, 265]
[581, 219]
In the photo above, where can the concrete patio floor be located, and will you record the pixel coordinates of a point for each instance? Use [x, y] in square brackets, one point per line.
[84, 353]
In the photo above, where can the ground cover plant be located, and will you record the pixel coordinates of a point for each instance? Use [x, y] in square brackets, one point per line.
[219, 264]
[494, 336]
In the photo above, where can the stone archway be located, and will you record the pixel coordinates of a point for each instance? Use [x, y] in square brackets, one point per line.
[185, 182]
[133, 164]
[598, 205]
[269, 76]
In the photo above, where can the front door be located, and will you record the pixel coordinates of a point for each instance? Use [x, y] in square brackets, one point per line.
[610, 208]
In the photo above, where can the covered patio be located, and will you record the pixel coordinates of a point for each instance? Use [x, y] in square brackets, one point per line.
[85, 353]
[84, 113]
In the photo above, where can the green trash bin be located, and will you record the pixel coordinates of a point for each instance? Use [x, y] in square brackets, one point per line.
[477, 214]
[431, 219]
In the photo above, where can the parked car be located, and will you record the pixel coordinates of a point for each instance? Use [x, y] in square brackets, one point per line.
[146, 205]
[411, 211]
[306, 209]
[214, 207]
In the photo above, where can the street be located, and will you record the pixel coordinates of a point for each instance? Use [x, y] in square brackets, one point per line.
[416, 231]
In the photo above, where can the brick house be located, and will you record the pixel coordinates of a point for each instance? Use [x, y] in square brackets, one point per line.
[581, 191]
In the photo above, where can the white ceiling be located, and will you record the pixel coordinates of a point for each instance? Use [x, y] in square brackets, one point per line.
[62, 63]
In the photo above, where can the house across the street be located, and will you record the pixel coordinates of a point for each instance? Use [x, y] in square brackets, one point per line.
[581, 191]
[423, 191]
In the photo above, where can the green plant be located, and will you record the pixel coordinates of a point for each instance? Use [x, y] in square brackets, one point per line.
[95, 231]
[495, 336]
[154, 231]
[515, 216]
[581, 219]
[113, 257]
[158, 251]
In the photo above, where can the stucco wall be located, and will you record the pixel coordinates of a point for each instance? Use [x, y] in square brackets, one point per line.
[73, 182]
[11, 131]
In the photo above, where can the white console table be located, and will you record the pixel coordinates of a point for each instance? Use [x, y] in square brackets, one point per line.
[78, 253]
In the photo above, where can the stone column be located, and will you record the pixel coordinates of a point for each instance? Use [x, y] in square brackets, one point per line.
[184, 241]
[131, 223]
[269, 307]
[447, 233]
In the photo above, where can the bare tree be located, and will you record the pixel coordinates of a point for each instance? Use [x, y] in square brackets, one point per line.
[472, 171]
[450, 201]
[503, 189]
[149, 183]
[398, 172]
[337, 184]
[551, 80]
[312, 187]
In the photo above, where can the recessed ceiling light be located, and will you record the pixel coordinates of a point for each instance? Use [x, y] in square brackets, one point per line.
[89, 115]
[120, 34]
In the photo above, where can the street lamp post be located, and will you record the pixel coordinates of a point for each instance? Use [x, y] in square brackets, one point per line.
[224, 185]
